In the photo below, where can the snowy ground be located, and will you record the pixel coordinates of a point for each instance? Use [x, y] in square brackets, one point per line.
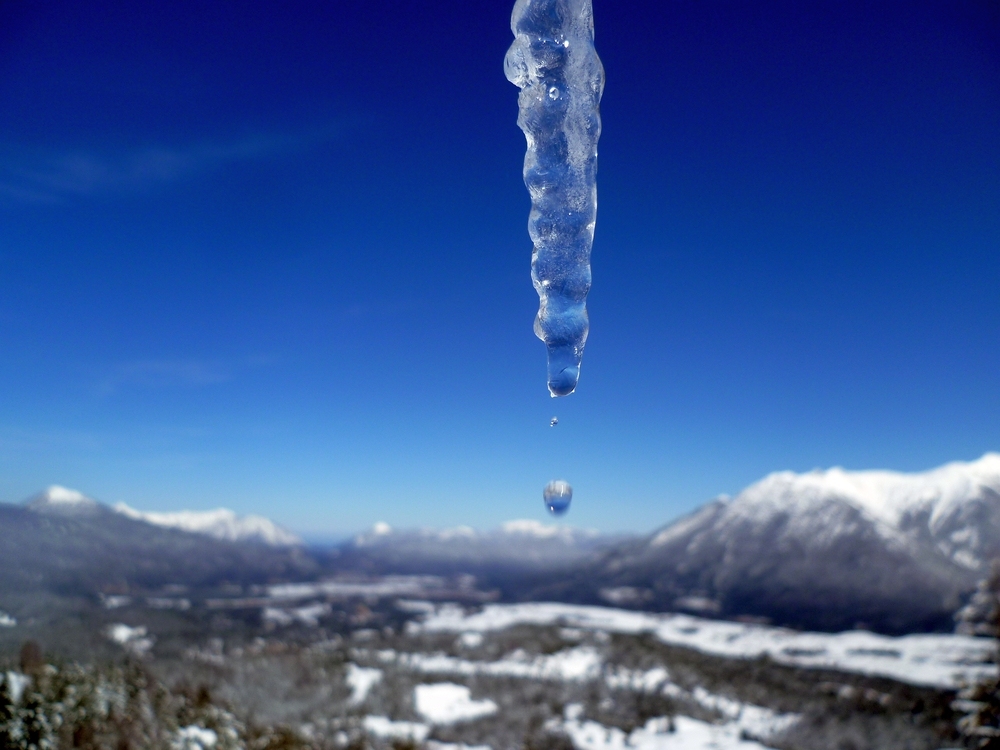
[683, 733]
[361, 680]
[448, 703]
[937, 660]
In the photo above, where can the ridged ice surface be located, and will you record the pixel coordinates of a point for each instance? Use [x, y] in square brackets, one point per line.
[554, 63]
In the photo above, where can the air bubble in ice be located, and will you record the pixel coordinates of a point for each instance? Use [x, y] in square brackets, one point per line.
[557, 496]
[554, 421]
[553, 62]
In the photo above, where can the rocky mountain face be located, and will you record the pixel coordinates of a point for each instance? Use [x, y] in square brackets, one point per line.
[829, 549]
[65, 543]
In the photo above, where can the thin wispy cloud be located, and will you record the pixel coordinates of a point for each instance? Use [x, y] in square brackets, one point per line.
[176, 373]
[166, 374]
[33, 175]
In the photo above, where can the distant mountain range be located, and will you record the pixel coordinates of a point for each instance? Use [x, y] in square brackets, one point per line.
[516, 544]
[828, 549]
[65, 543]
[220, 523]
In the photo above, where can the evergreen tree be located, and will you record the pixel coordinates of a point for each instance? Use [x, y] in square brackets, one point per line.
[981, 703]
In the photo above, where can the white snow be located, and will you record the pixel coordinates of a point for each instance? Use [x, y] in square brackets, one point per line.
[220, 523]
[572, 664]
[308, 615]
[448, 703]
[648, 681]
[131, 639]
[16, 684]
[470, 640]
[387, 586]
[383, 726]
[195, 738]
[435, 745]
[7, 621]
[59, 495]
[942, 496]
[361, 680]
[942, 660]
[687, 734]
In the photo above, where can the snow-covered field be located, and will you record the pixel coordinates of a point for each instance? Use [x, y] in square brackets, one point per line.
[936, 660]
[683, 733]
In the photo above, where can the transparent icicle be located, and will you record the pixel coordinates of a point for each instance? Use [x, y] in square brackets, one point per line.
[554, 63]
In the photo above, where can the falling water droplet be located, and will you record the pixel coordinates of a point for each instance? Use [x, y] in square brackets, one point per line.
[554, 421]
[557, 496]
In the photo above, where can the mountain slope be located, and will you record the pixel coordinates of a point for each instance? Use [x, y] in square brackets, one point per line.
[825, 549]
[220, 523]
[84, 547]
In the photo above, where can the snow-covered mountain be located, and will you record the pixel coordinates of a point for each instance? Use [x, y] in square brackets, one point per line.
[58, 499]
[956, 507]
[826, 548]
[220, 523]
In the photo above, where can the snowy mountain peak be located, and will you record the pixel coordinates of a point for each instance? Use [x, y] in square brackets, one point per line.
[59, 499]
[220, 523]
[58, 494]
[890, 497]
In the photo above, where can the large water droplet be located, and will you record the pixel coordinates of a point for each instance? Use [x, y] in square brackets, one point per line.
[557, 496]
[554, 421]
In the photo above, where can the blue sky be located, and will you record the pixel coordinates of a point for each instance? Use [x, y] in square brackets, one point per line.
[274, 257]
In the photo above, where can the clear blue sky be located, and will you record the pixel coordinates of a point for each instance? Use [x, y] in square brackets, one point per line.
[274, 256]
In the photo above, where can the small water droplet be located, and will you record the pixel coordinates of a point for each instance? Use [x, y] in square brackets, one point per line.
[553, 93]
[557, 496]
[554, 421]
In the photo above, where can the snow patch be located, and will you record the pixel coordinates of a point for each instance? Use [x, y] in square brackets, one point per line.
[16, 684]
[195, 738]
[938, 660]
[448, 703]
[361, 680]
[131, 639]
[383, 726]
[59, 495]
[581, 663]
[435, 745]
[664, 733]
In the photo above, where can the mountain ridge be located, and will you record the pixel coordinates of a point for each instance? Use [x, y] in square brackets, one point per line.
[827, 549]
[220, 523]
